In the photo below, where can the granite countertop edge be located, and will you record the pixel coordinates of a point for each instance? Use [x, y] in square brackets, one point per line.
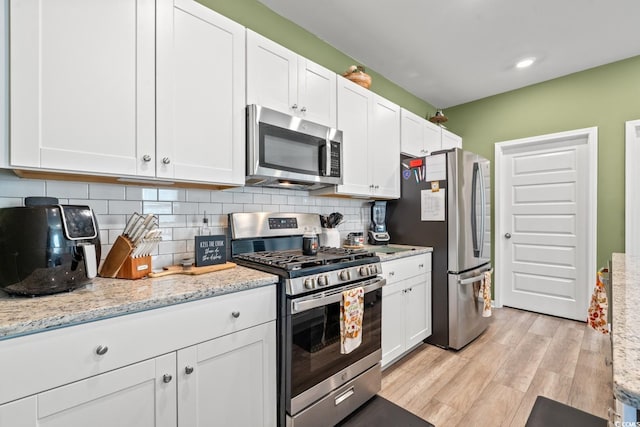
[625, 334]
[410, 251]
[107, 298]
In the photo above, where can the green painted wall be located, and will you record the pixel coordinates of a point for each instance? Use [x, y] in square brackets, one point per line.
[605, 97]
[256, 16]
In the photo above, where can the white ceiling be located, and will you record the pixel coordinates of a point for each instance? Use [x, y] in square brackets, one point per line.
[455, 51]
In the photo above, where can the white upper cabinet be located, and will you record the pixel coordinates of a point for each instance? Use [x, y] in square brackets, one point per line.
[450, 140]
[127, 88]
[280, 79]
[420, 137]
[82, 85]
[371, 144]
[384, 149]
[200, 94]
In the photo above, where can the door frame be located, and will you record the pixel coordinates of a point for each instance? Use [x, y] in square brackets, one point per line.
[549, 140]
[632, 175]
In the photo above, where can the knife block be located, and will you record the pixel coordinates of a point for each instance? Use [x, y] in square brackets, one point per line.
[118, 254]
[135, 268]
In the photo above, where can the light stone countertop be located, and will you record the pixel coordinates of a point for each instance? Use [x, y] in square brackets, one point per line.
[625, 335]
[106, 298]
[410, 251]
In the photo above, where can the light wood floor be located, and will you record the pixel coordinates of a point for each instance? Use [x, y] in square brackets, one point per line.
[495, 380]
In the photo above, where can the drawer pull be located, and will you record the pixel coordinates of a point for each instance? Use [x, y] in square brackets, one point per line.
[166, 378]
[101, 350]
[392, 273]
[420, 265]
[607, 361]
[235, 314]
[188, 370]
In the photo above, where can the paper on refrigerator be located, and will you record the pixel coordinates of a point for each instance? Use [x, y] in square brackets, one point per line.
[432, 205]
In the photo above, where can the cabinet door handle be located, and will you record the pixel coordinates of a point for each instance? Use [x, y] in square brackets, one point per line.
[235, 314]
[101, 350]
[166, 378]
[188, 370]
[166, 160]
[146, 158]
[392, 273]
[294, 107]
[303, 110]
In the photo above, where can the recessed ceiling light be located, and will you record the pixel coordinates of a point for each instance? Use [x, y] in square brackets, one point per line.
[525, 63]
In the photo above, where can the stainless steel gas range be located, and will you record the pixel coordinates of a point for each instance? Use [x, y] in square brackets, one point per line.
[318, 385]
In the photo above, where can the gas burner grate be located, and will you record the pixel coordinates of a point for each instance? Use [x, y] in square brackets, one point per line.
[294, 259]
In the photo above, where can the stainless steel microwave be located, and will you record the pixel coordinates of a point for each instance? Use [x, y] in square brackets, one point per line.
[289, 152]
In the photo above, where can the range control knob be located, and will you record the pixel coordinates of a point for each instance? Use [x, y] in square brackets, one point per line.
[373, 269]
[323, 280]
[364, 271]
[345, 275]
[310, 283]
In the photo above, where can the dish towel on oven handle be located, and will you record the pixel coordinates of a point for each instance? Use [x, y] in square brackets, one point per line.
[485, 294]
[351, 314]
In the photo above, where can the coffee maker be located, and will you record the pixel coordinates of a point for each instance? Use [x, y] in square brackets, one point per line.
[378, 229]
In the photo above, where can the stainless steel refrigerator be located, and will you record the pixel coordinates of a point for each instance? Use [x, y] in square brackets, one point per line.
[445, 203]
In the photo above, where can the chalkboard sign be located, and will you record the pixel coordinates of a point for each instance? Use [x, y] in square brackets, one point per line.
[210, 250]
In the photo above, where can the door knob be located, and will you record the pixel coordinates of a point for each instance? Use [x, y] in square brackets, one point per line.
[507, 235]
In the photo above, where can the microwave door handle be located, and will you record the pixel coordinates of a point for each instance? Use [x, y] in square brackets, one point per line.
[333, 297]
[327, 157]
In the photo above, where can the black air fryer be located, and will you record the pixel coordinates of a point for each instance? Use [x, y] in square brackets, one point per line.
[47, 248]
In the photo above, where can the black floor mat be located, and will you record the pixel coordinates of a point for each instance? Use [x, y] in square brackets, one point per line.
[549, 413]
[379, 412]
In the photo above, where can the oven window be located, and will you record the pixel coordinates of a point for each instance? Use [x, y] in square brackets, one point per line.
[314, 339]
[284, 149]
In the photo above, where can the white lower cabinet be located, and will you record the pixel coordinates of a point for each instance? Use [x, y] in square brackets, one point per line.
[406, 308]
[228, 379]
[141, 395]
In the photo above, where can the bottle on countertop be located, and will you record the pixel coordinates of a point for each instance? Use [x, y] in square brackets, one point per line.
[205, 230]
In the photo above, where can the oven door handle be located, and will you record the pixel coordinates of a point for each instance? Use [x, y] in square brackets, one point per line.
[335, 296]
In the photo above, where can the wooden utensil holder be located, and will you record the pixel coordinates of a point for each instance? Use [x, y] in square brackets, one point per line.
[135, 268]
[118, 254]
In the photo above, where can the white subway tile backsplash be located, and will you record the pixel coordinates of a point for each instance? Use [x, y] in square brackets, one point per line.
[198, 195]
[179, 211]
[221, 197]
[279, 199]
[106, 191]
[67, 189]
[22, 188]
[106, 222]
[210, 208]
[231, 207]
[157, 208]
[172, 220]
[172, 247]
[271, 208]
[243, 198]
[186, 233]
[172, 194]
[185, 208]
[142, 193]
[262, 199]
[160, 261]
[125, 207]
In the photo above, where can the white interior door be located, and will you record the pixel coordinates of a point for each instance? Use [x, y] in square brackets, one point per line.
[545, 222]
[632, 188]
